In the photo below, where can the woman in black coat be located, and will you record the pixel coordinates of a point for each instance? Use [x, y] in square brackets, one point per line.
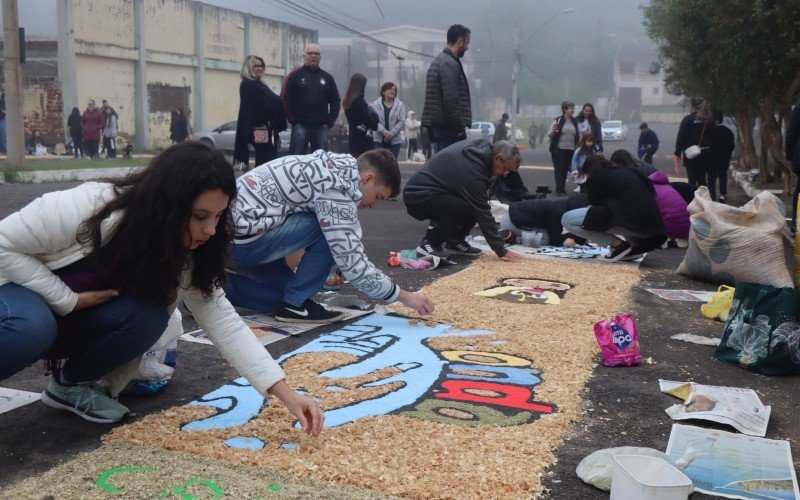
[179, 127]
[622, 204]
[361, 119]
[261, 116]
[76, 131]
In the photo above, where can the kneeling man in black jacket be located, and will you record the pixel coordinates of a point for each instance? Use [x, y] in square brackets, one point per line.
[451, 191]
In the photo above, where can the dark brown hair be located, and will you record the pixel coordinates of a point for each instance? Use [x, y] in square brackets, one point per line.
[384, 164]
[358, 83]
[148, 246]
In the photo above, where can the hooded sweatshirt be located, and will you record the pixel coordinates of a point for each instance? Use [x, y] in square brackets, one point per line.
[463, 170]
[326, 184]
[672, 206]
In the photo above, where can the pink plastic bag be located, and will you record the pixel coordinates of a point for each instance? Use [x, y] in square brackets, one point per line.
[619, 340]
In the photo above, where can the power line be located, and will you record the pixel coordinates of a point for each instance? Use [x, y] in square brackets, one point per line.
[306, 14]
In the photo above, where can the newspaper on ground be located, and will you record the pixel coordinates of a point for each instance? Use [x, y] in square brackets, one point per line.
[696, 339]
[732, 465]
[11, 399]
[683, 295]
[740, 408]
[268, 330]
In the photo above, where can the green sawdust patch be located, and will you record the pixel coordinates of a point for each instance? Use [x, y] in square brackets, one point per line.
[124, 470]
[424, 458]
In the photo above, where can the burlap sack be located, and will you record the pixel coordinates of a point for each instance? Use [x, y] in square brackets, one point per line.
[729, 244]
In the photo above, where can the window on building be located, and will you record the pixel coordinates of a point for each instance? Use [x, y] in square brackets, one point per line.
[655, 90]
[165, 98]
[626, 67]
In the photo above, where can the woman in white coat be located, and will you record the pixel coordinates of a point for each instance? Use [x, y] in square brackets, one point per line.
[391, 119]
[89, 277]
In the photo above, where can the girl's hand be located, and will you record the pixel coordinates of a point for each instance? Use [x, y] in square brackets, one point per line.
[307, 411]
[91, 299]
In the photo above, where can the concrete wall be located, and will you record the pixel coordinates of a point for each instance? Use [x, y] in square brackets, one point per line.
[42, 108]
[267, 41]
[179, 48]
[169, 26]
[222, 96]
[104, 78]
[104, 22]
[159, 121]
[223, 38]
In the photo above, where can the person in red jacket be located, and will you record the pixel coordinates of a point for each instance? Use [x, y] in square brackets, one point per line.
[92, 122]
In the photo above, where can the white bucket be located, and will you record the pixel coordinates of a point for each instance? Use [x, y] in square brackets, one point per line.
[642, 477]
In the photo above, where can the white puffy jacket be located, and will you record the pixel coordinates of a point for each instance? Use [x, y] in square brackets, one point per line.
[42, 237]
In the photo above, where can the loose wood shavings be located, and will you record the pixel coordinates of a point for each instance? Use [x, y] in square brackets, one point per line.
[420, 458]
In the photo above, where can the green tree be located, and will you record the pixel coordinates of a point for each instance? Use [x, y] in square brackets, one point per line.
[742, 55]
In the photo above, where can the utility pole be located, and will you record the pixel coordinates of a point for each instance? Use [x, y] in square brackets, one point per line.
[400, 60]
[15, 130]
[514, 83]
[349, 72]
[566, 70]
[378, 58]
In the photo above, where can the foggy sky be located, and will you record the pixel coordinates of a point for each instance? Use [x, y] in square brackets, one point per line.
[39, 16]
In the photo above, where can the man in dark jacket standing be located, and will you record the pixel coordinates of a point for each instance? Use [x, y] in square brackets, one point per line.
[500, 130]
[451, 192]
[793, 153]
[311, 101]
[448, 109]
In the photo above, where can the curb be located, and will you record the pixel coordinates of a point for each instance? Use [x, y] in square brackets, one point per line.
[81, 174]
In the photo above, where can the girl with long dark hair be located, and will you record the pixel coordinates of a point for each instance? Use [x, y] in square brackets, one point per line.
[89, 277]
[361, 119]
[588, 123]
[76, 131]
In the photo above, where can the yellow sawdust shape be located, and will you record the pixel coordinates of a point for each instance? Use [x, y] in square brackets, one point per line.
[417, 458]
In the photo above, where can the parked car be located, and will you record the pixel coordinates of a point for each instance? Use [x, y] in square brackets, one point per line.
[224, 138]
[481, 130]
[614, 130]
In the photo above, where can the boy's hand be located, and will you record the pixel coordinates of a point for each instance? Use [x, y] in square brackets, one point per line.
[420, 303]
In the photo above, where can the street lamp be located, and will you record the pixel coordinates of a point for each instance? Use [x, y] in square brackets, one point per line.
[515, 72]
[400, 60]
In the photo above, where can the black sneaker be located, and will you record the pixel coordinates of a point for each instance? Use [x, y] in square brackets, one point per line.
[463, 248]
[618, 252]
[429, 249]
[310, 312]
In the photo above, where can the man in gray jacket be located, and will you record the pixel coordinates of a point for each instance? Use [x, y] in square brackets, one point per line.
[451, 191]
[448, 111]
[309, 203]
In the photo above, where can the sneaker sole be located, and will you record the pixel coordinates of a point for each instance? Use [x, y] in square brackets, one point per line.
[619, 255]
[335, 319]
[54, 402]
[459, 252]
[424, 252]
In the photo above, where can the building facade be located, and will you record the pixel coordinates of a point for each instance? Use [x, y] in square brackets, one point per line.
[148, 57]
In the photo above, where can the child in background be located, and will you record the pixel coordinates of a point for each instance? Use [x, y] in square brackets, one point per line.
[586, 149]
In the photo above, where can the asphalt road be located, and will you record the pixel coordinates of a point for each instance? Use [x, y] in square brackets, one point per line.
[622, 406]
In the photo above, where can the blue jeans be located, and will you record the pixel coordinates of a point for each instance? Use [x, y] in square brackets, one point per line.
[317, 135]
[101, 338]
[443, 137]
[261, 277]
[394, 148]
[3, 146]
[573, 220]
